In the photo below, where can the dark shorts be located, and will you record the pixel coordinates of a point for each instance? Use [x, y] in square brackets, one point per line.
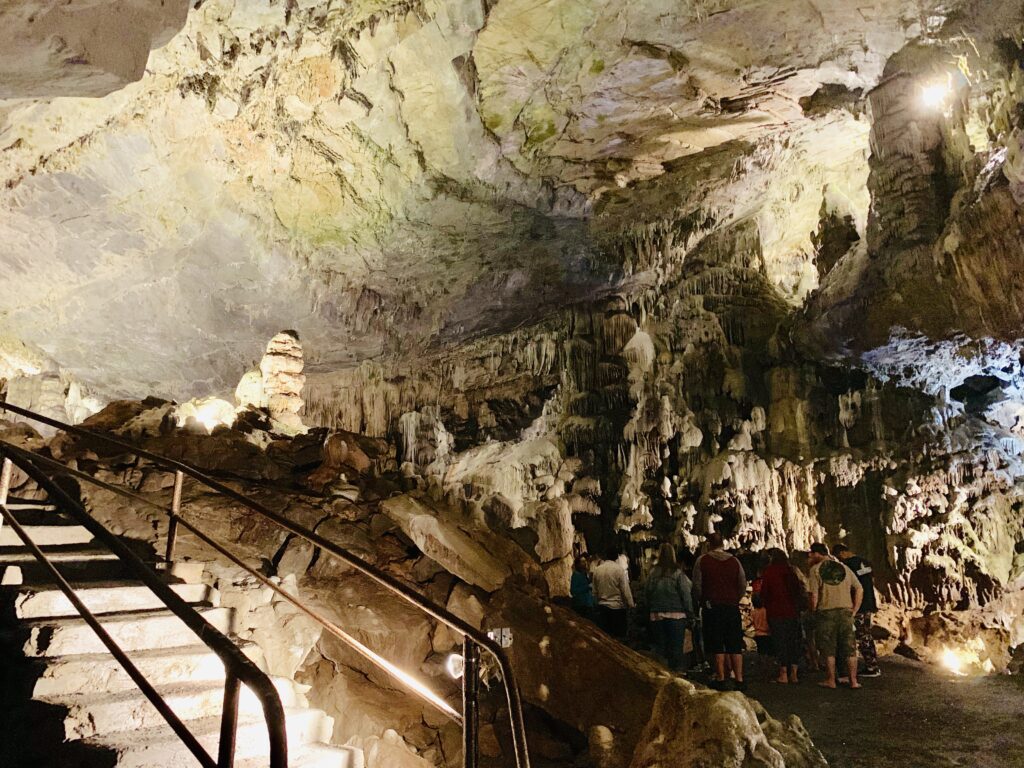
[765, 645]
[723, 629]
[614, 621]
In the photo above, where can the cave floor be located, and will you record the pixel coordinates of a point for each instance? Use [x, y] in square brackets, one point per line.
[911, 717]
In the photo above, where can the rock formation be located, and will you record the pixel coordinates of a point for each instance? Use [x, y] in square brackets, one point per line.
[566, 273]
[277, 385]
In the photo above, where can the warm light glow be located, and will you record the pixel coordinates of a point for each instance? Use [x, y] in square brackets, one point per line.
[455, 666]
[211, 412]
[936, 94]
[967, 660]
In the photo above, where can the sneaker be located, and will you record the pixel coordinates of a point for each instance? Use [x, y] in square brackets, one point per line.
[740, 686]
[870, 673]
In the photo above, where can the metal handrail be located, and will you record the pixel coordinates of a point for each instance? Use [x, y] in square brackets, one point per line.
[474, 639]
[175, 519]
[238, 667]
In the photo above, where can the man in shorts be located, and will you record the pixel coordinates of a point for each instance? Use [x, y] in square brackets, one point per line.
[720, 584]
[863, 620]
[835, 595]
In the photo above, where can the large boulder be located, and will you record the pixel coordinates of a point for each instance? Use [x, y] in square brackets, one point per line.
[463, 545]
[634, 712]
[700, 728]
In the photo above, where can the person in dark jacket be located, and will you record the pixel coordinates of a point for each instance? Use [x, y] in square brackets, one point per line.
[720, 583]
[782, 595]
[863, 620]
[581, 590]
[669, 600]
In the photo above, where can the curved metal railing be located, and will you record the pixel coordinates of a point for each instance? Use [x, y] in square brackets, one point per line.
[239, 668]
[474, 640]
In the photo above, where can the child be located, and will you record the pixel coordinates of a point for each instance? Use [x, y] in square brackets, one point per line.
[759, 620]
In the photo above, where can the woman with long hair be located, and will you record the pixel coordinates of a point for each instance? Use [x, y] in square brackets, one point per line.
[670, 603]
[783, 596]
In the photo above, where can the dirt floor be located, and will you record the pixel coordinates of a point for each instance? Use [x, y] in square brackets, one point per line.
[913, 716]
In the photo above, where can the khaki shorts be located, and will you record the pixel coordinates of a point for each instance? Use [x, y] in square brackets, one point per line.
[834, 633]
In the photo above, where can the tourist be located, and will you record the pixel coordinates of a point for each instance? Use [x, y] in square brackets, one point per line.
[720, 583]
[863, 619]
[759, 623]
[783, 595]
[614, 598]
[669, 600]
[835, 597]
[581, 590]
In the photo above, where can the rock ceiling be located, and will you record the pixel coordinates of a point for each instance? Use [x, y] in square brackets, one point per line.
[385, 175]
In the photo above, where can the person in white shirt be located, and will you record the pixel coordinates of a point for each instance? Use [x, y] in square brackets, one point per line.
[614, 598]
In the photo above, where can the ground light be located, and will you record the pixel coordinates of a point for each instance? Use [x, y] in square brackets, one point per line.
[966, 660]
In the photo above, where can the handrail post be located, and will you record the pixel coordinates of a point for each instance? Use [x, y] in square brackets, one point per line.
[229, 723]
[470, 703]
[5, 483]
[172, 525]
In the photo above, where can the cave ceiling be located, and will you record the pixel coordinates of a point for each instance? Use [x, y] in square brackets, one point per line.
[182, 180]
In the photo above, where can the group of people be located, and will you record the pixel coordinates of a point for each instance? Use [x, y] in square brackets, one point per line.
[795, 616]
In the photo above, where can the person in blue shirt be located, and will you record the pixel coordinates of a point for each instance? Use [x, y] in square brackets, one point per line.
[581, 590]
[670, 602]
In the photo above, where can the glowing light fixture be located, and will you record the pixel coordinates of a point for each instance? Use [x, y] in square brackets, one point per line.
[967, 660]
[936, 93]
[953, 661]
[455, 666]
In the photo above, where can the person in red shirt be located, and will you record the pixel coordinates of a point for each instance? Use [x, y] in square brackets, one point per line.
[719, 580]
[782, 596]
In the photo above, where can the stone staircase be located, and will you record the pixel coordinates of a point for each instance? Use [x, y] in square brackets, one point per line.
[66, 703]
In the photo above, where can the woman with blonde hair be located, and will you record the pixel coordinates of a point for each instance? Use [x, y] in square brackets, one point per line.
[671, 606]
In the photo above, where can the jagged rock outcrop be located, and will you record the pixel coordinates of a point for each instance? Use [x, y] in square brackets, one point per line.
[50, 48]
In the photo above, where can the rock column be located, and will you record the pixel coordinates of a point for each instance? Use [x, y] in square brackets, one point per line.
[283, 380]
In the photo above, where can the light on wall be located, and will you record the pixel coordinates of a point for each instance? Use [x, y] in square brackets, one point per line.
[936, 94]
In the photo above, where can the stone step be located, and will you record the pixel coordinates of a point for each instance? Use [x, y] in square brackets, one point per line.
[90, 672]
[46, 535]
[78, 562]
[41, 600]
[160, 748]
[38, 514]
[98, 714]
[137, 631]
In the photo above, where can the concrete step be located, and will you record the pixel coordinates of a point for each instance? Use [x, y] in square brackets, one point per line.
[46, 535]
[38, 514]
[78, 562]
[160, 748]
[100, 714]
[137, 631]
[42, 600]
[91, 672]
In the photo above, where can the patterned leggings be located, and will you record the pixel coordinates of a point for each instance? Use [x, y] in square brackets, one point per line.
[866, 641]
